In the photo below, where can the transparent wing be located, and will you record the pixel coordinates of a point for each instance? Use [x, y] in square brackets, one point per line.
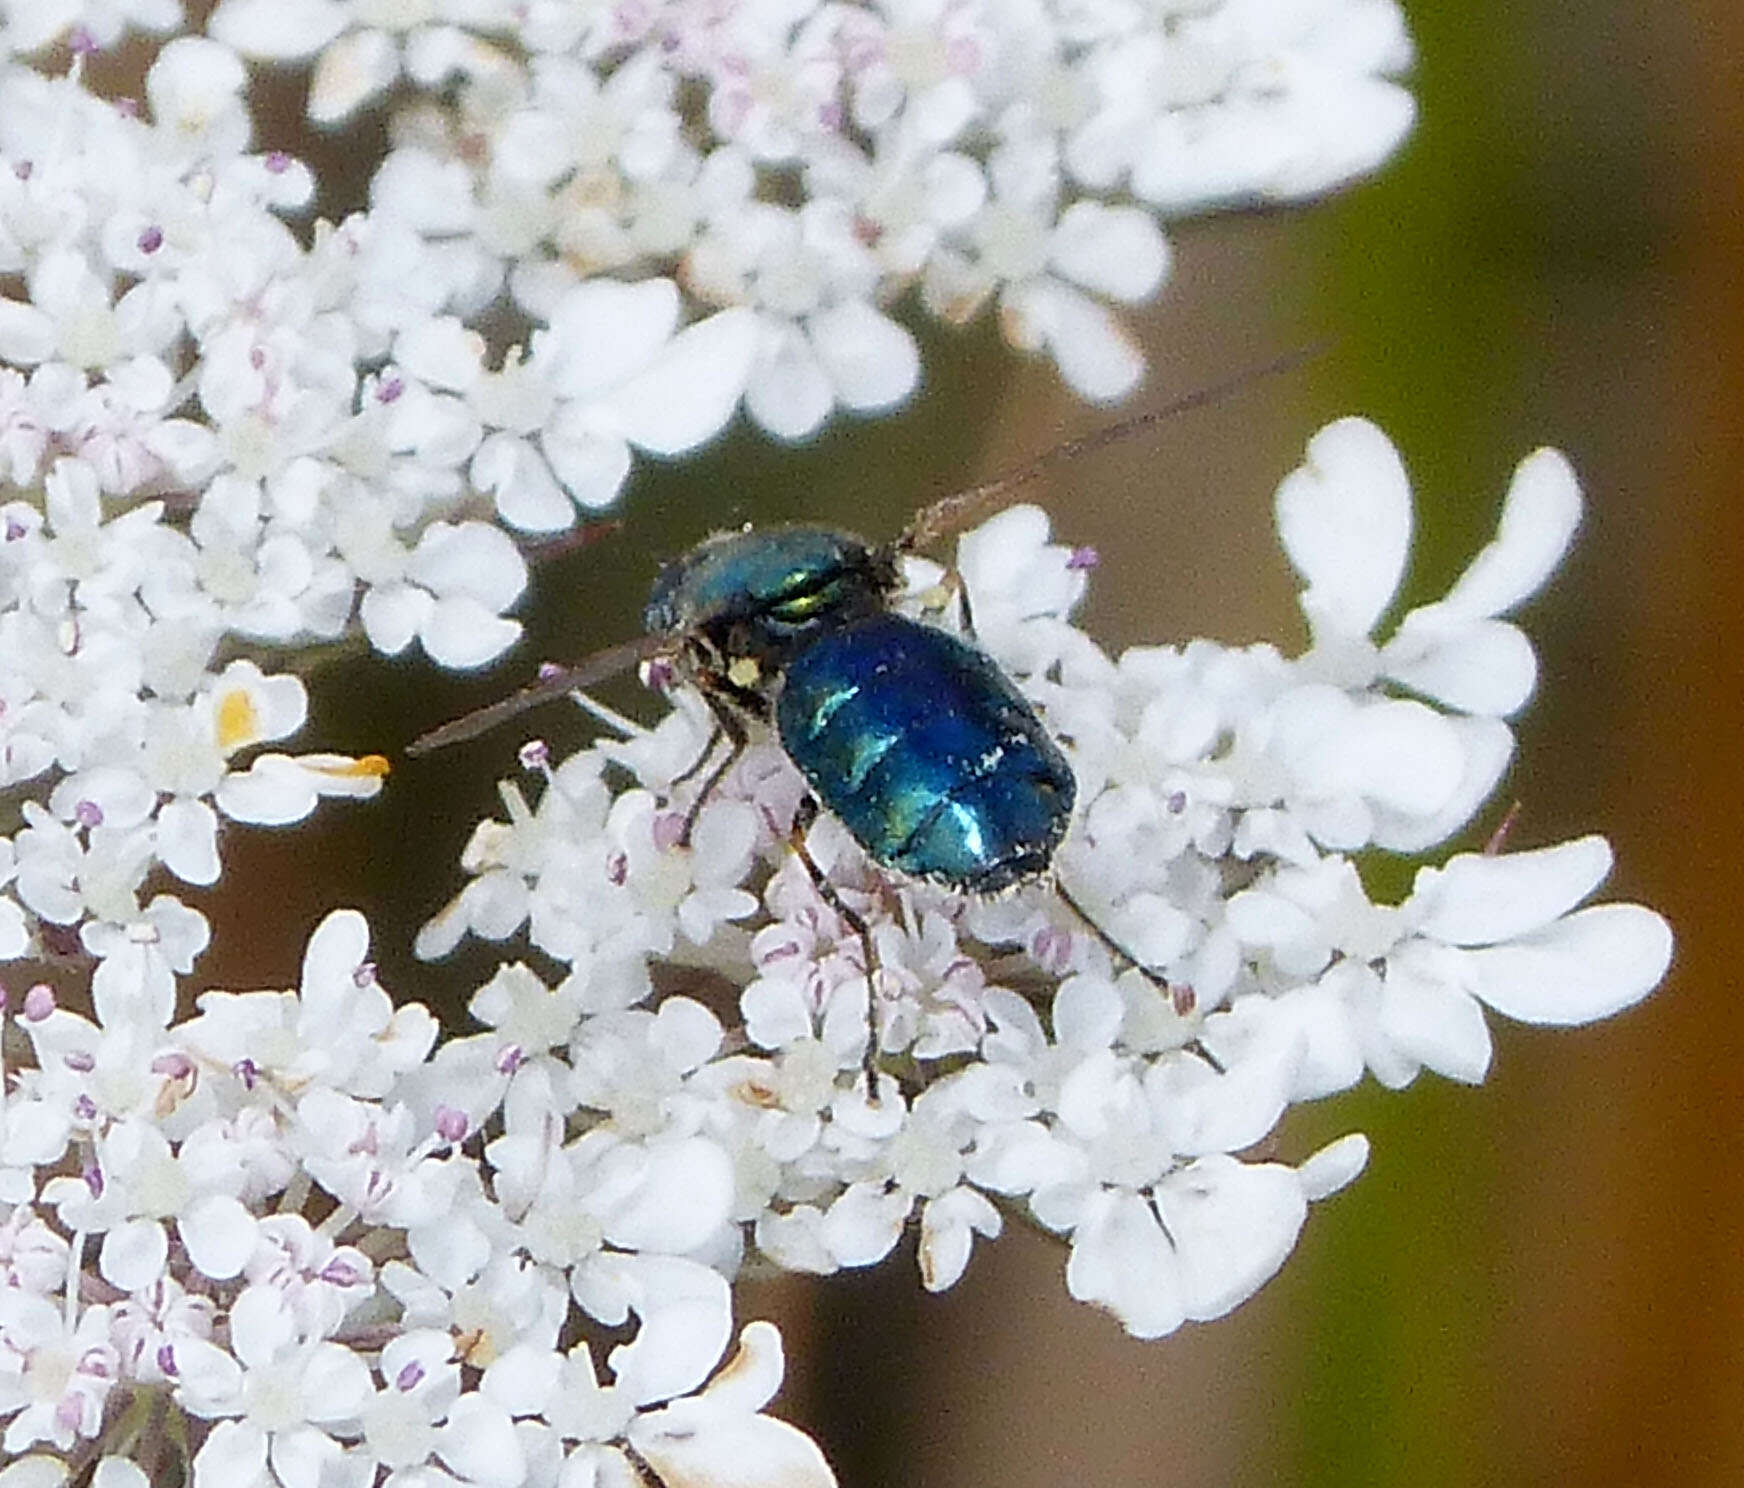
[955, 512]
[554, 682]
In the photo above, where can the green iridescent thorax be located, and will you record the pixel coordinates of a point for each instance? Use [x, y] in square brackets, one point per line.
[748, 602]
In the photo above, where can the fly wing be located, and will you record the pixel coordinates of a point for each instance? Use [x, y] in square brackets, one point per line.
[553, 682]
[951, 514]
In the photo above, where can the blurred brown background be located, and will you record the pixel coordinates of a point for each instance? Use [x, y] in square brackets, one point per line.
[1537, 1282]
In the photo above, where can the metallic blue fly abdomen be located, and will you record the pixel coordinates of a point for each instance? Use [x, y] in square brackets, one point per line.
[927, 753]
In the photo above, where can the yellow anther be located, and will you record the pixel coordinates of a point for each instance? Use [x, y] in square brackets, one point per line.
[238, 720]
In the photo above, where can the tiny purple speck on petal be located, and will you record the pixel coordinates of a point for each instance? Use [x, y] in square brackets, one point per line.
[93, 1177]
[39, 1002]
[410, 1376]
[23, 169]
[535, 754]
[247, 1071]
[450, 1124]
[81, 1061]
[340, 1272]
[277, 162]
[512, 1057]
[364, 975]
[85, 1108]
[151, 239]
[128, 108]
[617, 868]
[88, 814]
[1083, 558]
[81, 42]
[174, 1064]
[166, 1360]
[1185, 1000]
[389, 389]
[668, 830]
[548, 670]
[1177, 802]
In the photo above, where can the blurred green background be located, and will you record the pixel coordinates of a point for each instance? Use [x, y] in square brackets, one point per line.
[1538, 1282]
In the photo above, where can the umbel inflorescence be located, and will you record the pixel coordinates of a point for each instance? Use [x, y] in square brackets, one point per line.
[295, 1236]
[305, 1222]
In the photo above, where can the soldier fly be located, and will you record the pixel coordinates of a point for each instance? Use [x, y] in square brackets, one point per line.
[918, 742]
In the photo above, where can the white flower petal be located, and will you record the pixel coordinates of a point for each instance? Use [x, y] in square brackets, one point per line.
[1345, 520]
[336, 1382]
[219, 1233]
[469, 558]
[1478, 666]
[392, 615]
[685, 1194]
[1481, 898]
[187, 840]
[479, 1442]
[731, 1451]
[1122, 1261]
[692, 388]
[1233, 1225]
[37, 1471]
[592, 466]
[351, 71]
[463, 633]
[1434, 1021]
[281, 30]
[134, 1254]
[1098, 358]
[686, 1321]
[273, 792]
[1539, 517]
[864, 1224]
[1596, 962]
[1334, 1166]
[235, 1452]
[873, 362]
[27, 335]
[1486, 745]
[603, 332]
[788, 392]
[1115, 251]
[527, 495]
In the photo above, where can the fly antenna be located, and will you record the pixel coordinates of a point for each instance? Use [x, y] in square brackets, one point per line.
[955, 512]
[554, 682]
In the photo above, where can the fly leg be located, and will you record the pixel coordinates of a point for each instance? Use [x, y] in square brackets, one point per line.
[1084, 917]
[728, 727]
[950, 586]
[802, 820]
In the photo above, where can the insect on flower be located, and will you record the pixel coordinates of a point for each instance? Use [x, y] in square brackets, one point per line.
[924, 749]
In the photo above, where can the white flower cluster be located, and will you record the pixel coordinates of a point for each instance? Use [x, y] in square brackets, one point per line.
[1221, 793]
[298, 1248]
[813, 160]
[220, 436]
[350, 1253]
[295, 1237]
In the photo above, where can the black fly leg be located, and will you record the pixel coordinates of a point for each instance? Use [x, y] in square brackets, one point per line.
[949, 587]
[727, 726]
[954, 578]
[802, 820]
[1194, 1046]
